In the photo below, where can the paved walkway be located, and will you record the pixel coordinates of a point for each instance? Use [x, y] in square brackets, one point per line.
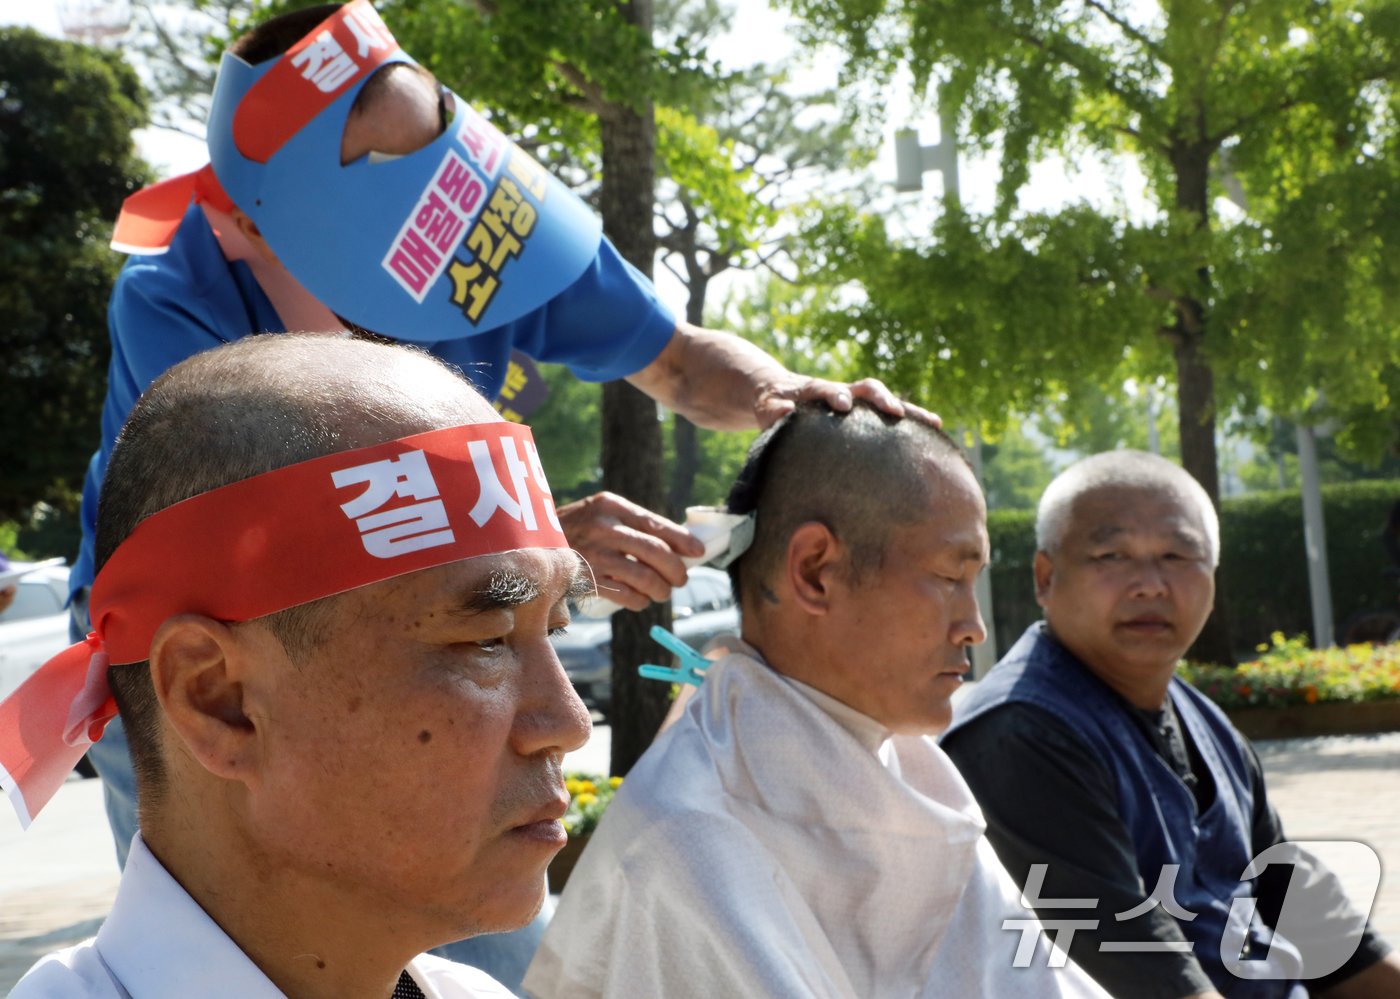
[57, 880]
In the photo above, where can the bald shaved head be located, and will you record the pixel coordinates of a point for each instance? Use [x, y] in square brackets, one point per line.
[253, 406]
[860, 473]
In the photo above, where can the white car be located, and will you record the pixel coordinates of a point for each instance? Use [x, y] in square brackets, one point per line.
[35, 626]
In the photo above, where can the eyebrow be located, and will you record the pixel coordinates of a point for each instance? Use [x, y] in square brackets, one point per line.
[506, 589]
[503, 590]
[581, 584]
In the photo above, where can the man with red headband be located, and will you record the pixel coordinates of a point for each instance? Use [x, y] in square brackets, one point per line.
[328, 575]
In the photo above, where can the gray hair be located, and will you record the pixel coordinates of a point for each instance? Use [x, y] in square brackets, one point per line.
[1127, 469]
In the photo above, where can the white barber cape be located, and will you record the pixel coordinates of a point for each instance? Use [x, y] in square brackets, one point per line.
[157, 943]
[764, 848]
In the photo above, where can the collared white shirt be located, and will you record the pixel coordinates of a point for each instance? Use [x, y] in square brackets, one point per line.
[157, 943]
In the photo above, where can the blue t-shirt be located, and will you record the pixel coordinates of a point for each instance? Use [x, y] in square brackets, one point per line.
[608, 324]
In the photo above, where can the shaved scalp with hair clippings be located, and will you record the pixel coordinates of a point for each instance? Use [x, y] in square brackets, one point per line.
[858, 472]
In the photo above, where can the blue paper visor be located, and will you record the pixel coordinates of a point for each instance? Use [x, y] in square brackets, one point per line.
[463, 235]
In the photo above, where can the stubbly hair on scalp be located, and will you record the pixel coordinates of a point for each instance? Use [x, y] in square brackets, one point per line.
[274, 37]
[258, 404]
[860, 473]
[1122, 469]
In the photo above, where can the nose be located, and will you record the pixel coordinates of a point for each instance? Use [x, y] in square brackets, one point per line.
[967, 627]
[550, 717]
[1149, 578]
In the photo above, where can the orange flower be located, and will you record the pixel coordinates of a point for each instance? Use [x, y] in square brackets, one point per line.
[1310, 694]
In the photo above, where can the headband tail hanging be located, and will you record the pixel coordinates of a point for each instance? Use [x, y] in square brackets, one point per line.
[48, 723]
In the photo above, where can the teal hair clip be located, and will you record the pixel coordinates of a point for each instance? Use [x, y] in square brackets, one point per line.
[692, 664]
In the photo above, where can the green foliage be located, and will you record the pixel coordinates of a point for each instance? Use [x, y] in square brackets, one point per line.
[567, 428]
[1100, 420]
[1296, 303]
[1277, 441]
[9, 541]
[1263, 562]
[67, 112]
[1012, 533]
[978, 321]
[1264, 566]
[178, 50]
[1015, 471]
[1288, 672]
[689, 152]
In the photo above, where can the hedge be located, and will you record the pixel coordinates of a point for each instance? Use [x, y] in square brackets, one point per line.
[1286, 672]
[1263, 565]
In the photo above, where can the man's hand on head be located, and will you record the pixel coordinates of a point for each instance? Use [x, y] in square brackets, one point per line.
[635, 554]
[774, 401]
[722, 382]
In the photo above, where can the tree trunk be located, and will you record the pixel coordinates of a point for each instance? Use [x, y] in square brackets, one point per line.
[631, 433]
[685, 439]
[684, 435]
[1195, 385]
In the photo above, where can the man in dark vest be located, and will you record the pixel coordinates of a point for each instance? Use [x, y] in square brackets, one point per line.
[1121, 799]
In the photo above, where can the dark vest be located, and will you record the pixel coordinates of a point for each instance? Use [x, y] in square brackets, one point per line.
[1158, 809]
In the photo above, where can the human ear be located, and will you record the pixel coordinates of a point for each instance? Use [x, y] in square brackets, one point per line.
[196, 667]
[814, 555]
[1044, 570]
[253, 235]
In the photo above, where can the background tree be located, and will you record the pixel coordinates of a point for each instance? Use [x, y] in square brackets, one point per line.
[780, 144]
[176, 48]
[67, 112]
[1292, 307]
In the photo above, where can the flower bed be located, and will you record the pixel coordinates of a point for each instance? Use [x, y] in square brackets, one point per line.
[589, 796]
[1293, 690]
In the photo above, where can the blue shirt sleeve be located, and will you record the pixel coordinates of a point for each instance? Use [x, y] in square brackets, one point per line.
[608, 324]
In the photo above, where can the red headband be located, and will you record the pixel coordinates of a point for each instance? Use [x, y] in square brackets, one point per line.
[336, 54]
[264, 544]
